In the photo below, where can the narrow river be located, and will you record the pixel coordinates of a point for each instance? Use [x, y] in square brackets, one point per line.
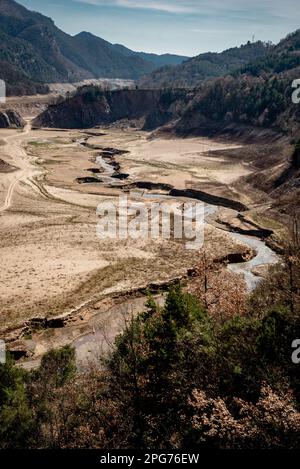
[265, 256]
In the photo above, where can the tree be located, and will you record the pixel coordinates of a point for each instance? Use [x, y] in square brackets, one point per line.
[222, 293]
[16, 418]
[282, 286]
[152, 369]
[49, 395]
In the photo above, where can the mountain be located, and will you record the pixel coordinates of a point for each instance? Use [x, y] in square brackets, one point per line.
[281, 58]
[231, 104]
[258, 95]
[190, 72]
[32, 43]
[249, 105]
[155, 59]
[110, 63]
[34, 51]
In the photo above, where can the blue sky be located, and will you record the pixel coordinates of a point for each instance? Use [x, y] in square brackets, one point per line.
[184, 27]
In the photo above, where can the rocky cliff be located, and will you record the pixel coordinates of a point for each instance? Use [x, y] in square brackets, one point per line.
[10, 118]
[92, 106]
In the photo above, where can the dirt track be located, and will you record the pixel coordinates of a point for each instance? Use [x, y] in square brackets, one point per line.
[13, 148]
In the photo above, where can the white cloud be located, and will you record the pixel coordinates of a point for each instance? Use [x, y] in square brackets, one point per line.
[166, 6]
[287, 9]
[170, 7]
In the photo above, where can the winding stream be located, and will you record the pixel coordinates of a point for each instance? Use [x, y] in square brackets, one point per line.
[107, 168]
[265, 256]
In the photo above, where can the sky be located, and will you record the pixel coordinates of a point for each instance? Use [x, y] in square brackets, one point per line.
[181, 27]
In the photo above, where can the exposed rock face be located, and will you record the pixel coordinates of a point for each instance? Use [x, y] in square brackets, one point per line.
[92, 107]
[95, 107]
[10, 118]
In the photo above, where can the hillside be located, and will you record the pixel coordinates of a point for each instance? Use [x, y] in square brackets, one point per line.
[282, 58]
[26, 36]
[18, 83]
[35, 51]
[11, 119]
[208, 65]
[101, 59]
[258, 95]
[226, 105]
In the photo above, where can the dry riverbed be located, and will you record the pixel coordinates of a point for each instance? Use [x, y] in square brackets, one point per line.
[52, 261]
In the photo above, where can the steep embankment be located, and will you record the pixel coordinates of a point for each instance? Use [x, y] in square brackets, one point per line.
[92, 106]
[10, 118]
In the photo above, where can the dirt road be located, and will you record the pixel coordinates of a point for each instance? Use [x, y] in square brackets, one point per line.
[14, 148]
